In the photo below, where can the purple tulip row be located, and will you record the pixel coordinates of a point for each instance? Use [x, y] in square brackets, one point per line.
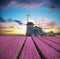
[29, 51]
[48, 48]
[10, 52]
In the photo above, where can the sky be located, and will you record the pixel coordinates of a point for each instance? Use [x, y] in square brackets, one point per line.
[37, 9]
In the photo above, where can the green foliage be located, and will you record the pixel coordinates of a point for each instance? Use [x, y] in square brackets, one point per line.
[51, 33]
[57, 33]
[44, 34]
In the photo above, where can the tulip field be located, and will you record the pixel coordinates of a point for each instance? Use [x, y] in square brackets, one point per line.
[29, 47]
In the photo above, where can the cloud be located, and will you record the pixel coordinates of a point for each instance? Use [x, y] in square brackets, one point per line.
[2, 20]
[54, 4]
[44, 21]
[31, 3]
[4, 3]
[19, 22]
[47, 22]
[23, 3]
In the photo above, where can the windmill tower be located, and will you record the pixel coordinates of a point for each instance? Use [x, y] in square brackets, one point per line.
[28, 18]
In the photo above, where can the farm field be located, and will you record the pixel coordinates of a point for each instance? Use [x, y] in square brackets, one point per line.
[29, 47]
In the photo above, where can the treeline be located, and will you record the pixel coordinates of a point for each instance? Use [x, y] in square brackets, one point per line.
[51, 33]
